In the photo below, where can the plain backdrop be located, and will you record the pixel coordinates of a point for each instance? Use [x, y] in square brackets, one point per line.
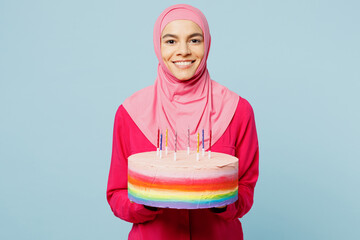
[66, 66]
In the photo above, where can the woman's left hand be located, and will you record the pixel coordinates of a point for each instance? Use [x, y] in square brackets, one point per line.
[218, 209]
[151, 208]
[222, 206]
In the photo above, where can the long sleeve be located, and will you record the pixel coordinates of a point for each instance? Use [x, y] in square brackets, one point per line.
[117, 194]
[239, 140]
[247, 151]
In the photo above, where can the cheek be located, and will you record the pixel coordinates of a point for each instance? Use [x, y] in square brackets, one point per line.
[200, 52]
[165, 53]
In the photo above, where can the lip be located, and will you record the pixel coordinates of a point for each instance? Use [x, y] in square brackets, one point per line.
[184, 66]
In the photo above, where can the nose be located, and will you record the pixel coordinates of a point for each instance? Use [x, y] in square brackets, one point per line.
[183, 49]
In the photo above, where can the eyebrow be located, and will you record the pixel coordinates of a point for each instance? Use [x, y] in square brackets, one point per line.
[175, 36]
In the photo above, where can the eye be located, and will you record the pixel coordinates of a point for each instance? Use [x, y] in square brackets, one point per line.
[170, 41]
[195, 41]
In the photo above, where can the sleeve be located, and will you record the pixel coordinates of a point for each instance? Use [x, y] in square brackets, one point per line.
[247, 151]
[117, 194]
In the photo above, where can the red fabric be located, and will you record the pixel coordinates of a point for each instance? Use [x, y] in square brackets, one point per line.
[239, 139]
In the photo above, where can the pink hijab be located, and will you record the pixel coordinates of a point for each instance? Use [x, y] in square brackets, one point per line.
[198, 103]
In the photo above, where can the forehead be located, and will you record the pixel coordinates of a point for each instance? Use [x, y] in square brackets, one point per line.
[181, 27]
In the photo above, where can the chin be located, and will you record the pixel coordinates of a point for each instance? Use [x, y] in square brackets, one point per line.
[183, 77]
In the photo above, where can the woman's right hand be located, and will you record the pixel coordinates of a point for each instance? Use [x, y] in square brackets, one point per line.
[218, 209]
[151, 208]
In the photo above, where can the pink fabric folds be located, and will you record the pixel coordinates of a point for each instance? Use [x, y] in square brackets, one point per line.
[198, 103]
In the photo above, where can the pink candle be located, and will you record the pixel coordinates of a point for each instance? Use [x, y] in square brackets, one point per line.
[188, 137]
[175, 140]
[210, 141]
[157, 143]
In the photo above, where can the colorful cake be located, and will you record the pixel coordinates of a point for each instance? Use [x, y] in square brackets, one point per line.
[185, 183]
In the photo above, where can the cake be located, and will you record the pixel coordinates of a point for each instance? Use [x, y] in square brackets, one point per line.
[185, 183]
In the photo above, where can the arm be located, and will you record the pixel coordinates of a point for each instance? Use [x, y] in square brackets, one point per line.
[117, 195]
[247, 151]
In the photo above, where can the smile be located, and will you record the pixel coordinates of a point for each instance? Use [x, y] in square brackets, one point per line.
[183, 64]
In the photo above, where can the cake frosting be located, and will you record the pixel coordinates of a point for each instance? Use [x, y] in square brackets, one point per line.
[185, 183]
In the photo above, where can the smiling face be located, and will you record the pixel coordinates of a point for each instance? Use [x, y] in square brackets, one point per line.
[182, 48]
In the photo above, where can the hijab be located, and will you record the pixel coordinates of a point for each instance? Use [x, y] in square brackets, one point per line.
[181, 106]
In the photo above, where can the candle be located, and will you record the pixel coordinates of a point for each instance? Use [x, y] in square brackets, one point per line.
[175, 146]
[158, 138]
[157, 143]
[166, 142]
[203, 149]
[203, 138]
[188, 148]
[197, 152]
[198, 142]
[210, 141]
[160, 141]
[166, 137]
[210, 144]
[161, 145]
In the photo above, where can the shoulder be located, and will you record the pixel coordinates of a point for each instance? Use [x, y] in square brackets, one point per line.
[244, 107]
[123, 123]
[120, 112]
[224, 96]
[137, 103]
[244, 113]
[121, 116]
[220, 90]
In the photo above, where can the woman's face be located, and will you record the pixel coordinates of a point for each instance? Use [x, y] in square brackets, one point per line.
[182, 48]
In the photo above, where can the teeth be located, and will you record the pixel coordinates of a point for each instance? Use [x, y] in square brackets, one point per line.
[183, 63]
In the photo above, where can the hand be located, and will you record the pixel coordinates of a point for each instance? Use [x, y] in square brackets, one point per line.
[151, 208]
[218, 209]
[222, 206]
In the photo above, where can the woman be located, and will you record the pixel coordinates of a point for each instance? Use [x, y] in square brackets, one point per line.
[183, 96]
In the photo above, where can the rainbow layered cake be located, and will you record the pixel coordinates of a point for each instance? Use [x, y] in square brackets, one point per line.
[185, 183]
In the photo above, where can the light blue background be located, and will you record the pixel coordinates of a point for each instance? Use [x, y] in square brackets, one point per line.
[65, 67]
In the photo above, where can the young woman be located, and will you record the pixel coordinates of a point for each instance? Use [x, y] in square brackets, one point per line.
[183, 96]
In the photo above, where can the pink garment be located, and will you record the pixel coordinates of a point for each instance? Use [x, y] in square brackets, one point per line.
[198, 103]
[239, 139]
